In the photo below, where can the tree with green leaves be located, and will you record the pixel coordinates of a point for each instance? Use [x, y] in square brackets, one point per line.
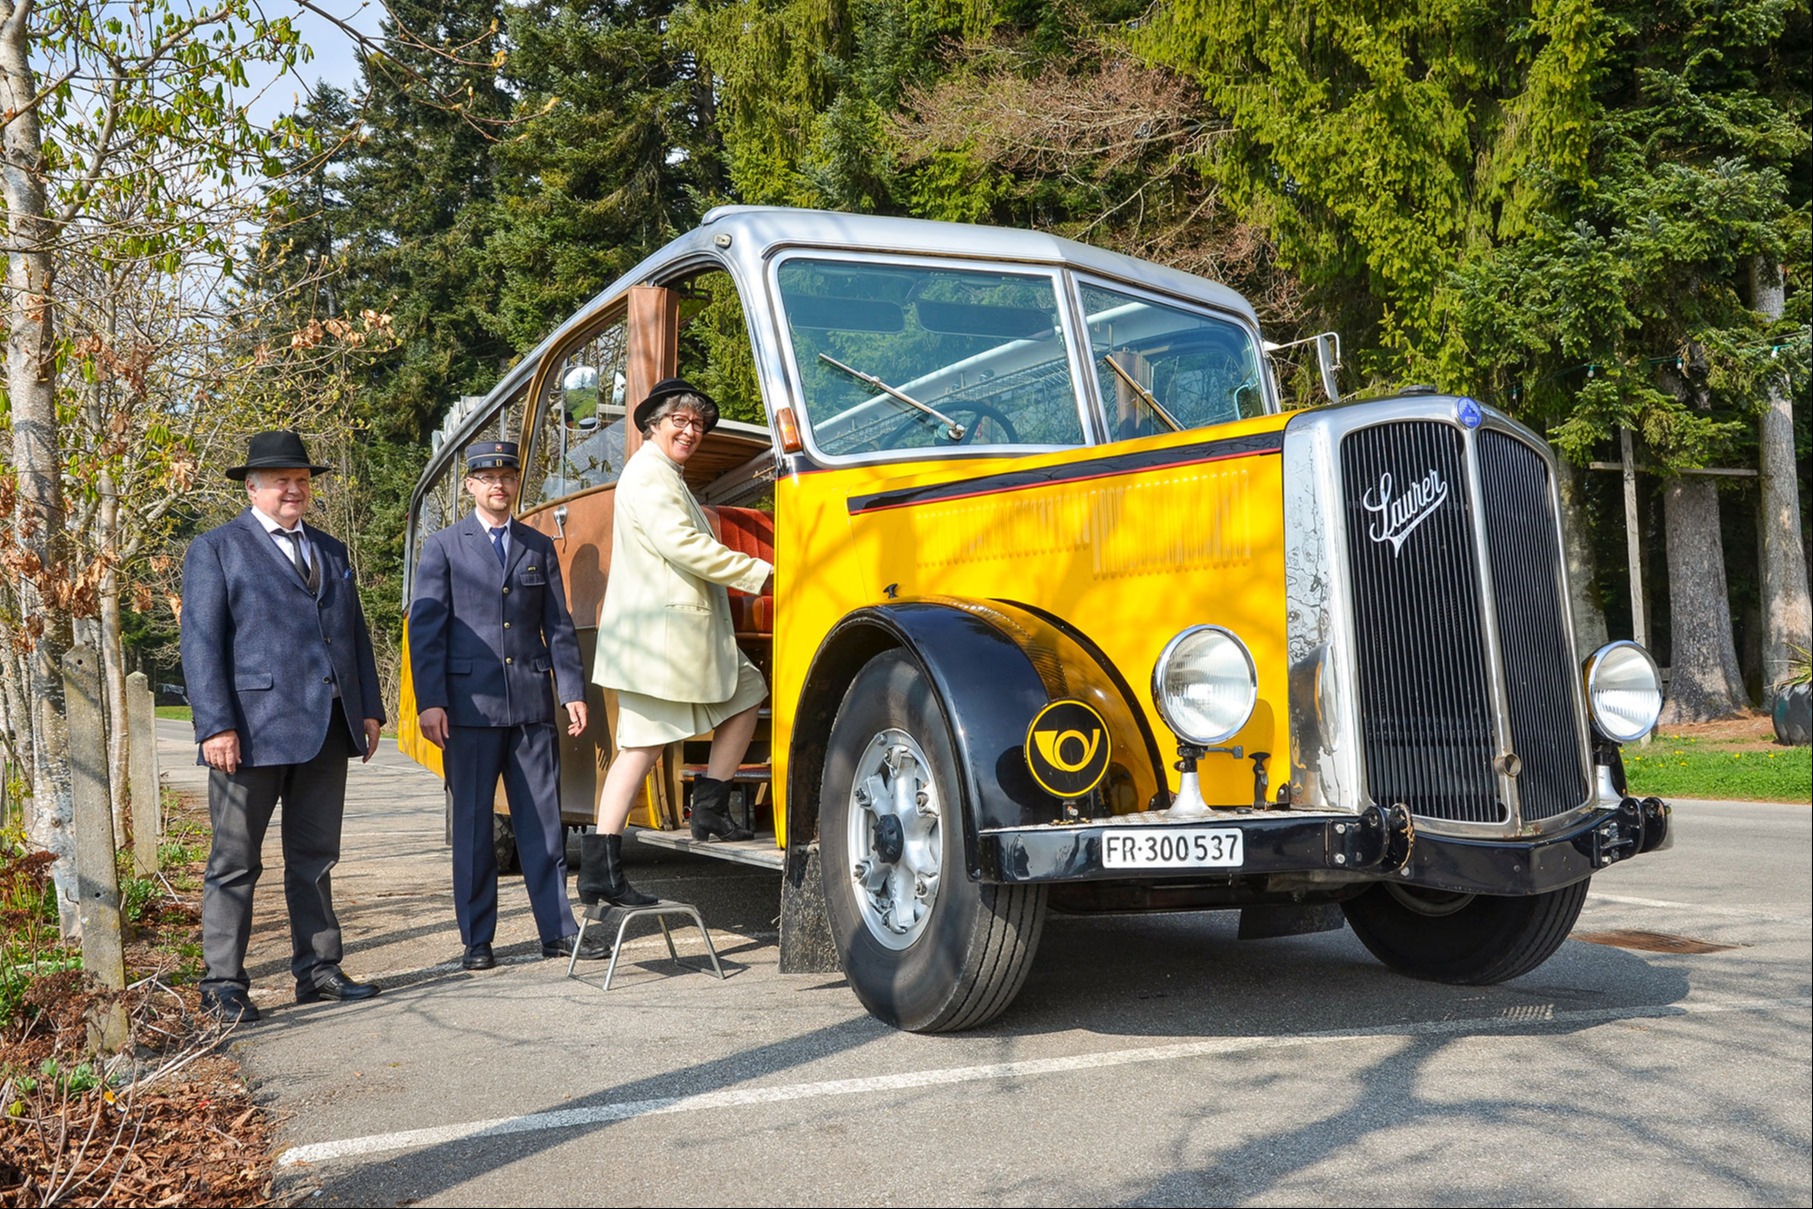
[611, 154]
[123, 144]
[1633, 301]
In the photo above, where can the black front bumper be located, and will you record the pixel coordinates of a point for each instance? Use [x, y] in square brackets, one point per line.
[1377, 842]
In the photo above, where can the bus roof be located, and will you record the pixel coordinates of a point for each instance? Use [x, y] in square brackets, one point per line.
[746, 236]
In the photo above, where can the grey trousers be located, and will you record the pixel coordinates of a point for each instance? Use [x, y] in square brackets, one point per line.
[240, 805]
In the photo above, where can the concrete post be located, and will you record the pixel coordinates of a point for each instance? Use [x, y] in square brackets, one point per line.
[147, 813]
[97, 878]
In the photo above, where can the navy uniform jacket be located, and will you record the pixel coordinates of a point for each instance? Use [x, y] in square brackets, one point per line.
[482, 639]
[263, 657]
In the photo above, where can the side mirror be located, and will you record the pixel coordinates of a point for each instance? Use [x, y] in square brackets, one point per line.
[1328, 360]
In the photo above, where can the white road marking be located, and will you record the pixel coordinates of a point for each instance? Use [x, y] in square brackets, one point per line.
[599, 1114]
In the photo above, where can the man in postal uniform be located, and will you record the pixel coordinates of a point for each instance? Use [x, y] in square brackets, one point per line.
[491, 644]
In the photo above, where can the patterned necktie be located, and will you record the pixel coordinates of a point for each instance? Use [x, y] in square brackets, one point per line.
[310, 574]
[497, 543]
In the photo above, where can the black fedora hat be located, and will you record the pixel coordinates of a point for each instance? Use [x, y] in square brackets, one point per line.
[667, 387]
[276, 451]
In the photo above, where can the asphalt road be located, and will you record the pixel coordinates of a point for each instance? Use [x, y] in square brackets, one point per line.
[1150, 1060]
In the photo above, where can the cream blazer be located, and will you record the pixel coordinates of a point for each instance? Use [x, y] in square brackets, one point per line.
[665, 629]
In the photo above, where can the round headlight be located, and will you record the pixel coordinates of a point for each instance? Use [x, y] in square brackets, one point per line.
[1623, 691]
[1204, 685]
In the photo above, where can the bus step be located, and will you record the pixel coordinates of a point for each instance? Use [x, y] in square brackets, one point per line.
[747, 774]
[760, 851]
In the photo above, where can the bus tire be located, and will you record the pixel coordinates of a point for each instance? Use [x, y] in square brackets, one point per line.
[1465, 939]
[503, 843]
[925, 948]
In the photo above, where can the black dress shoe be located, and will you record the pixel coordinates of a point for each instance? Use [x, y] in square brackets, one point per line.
[478, 957]
[334, 985]
[591, 950]
[229, 1006]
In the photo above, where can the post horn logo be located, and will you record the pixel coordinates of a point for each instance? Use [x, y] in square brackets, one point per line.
[1067, 749]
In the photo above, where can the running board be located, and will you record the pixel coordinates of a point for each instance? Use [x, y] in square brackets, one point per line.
[760, 851]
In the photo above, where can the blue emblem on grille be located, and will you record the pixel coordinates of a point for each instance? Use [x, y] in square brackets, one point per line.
[1467, 411]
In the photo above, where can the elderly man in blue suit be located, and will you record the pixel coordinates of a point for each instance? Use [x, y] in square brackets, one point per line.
[284, 690]
[488, 630]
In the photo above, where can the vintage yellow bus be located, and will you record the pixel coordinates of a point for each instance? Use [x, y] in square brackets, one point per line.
[1069, 613]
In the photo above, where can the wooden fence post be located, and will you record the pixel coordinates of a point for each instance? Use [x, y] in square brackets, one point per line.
[97, 877]
[147, 812]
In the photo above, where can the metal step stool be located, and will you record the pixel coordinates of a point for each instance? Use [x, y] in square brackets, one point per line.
[659, 910]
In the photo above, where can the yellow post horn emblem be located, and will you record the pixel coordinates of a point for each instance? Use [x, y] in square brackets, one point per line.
[1068, 748]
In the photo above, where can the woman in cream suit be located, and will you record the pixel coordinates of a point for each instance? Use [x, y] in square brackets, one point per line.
[665, 638]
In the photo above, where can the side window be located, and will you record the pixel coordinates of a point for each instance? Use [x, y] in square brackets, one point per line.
[1161, 367]
[578, 439]
[715, 354]
[920, 357]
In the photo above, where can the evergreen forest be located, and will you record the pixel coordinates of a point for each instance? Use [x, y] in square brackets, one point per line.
[1592, 214]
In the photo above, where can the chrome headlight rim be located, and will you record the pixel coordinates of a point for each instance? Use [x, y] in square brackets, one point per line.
[1163, 664]
[1616, 658]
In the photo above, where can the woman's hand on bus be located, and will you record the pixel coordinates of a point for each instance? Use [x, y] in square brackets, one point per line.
[434, 725]
[576, 717]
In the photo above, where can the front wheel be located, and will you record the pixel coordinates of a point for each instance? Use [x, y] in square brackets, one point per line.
[924, 947]
[1466, 939]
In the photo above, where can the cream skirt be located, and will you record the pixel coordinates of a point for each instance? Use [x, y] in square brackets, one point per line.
[644, 721]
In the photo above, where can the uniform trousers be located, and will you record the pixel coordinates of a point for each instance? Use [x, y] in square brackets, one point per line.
[527, 757]
[240, 804]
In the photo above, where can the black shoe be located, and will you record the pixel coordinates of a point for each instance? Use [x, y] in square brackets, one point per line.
[591, 950]
[601, 877]
[334, 985]
[478, 957]
[229, 1005]
[710, 821]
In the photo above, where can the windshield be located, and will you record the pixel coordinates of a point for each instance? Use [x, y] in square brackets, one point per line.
[926, 358]
[1171, 368]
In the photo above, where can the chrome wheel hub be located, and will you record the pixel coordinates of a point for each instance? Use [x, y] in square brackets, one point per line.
[894, 842]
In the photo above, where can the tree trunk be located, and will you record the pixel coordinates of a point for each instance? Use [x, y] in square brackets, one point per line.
[1704, 683]
[1787, 612]
[38, 520]
[113, 695]
[1590, 632]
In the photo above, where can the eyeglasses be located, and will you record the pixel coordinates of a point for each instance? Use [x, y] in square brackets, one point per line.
[682, 423]
[496, 480]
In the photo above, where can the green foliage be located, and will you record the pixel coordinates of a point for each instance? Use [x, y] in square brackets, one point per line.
[1676, 767]
[31, 945]
[1382, 146]
[1626, 304]
[612, 154]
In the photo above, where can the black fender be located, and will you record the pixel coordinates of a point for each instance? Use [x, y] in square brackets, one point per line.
[994, 665]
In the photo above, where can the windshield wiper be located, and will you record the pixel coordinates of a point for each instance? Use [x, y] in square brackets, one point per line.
[1143, 393]
[953, 430]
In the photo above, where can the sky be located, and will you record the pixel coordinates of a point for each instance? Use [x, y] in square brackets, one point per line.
[334, 61]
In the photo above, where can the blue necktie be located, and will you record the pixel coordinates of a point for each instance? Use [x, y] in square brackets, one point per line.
[497, 543]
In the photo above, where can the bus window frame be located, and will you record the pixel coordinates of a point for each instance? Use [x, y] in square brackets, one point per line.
[614, 310]
[793, 382]
[1102, 406]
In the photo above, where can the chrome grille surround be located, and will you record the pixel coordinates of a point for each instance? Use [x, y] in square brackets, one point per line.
[1421, 611]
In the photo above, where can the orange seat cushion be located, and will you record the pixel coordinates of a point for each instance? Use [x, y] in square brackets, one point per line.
[747, 531]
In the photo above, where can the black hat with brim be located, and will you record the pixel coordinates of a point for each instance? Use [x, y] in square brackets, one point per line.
[666, 388]
[492, 455]
[276, 451]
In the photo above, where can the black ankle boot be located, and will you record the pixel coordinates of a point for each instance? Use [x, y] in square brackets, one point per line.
[709, 818]
[601, 874]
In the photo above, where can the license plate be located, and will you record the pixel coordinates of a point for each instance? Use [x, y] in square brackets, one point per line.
[1172, 848]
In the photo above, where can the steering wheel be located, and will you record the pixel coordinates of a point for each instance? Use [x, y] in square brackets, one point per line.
[970, 415]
